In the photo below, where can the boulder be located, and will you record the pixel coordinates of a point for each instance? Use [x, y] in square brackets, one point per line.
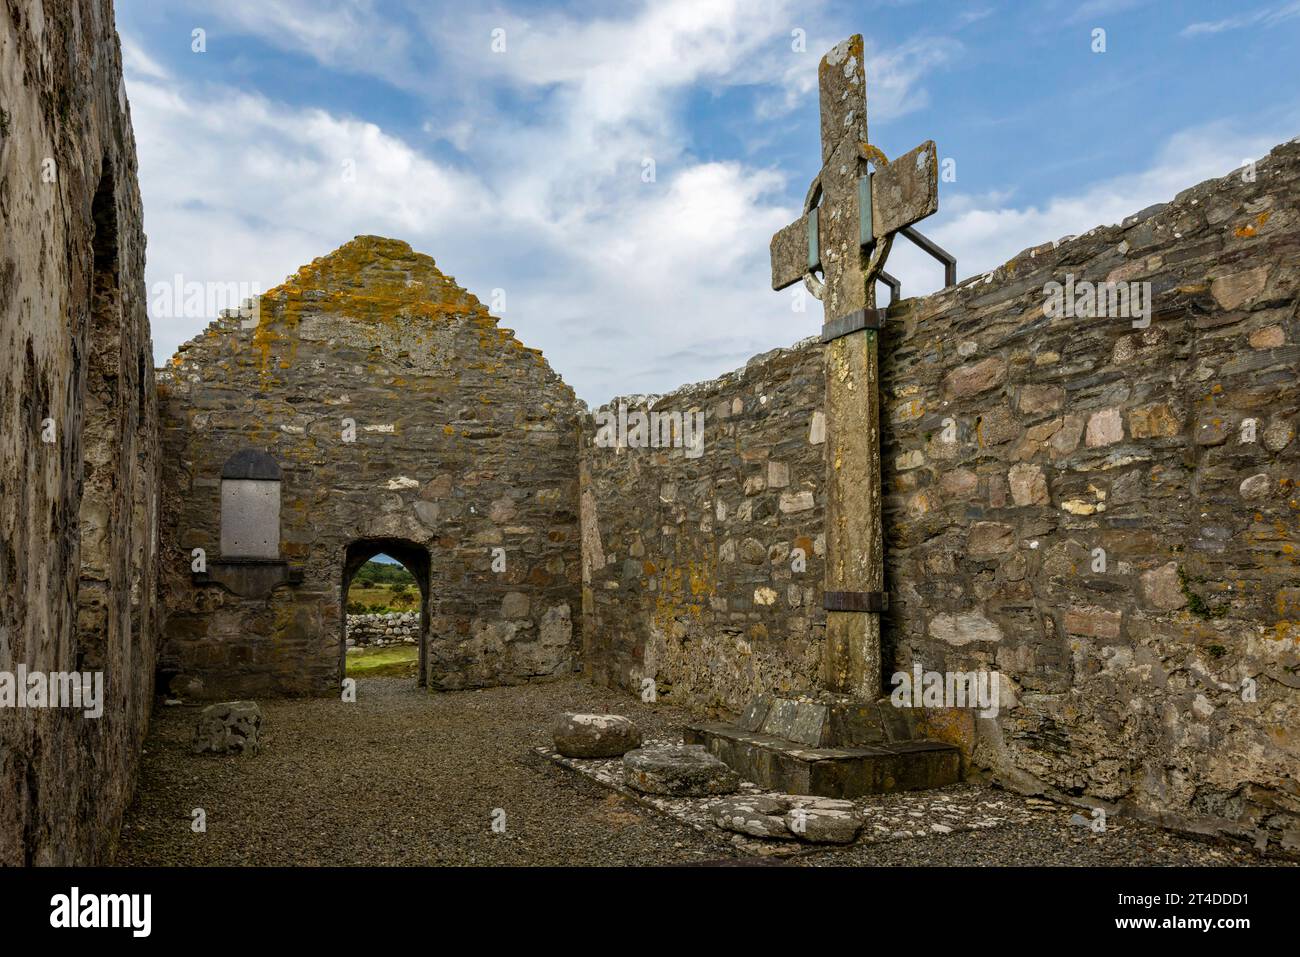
[229, 727]
[678, 770]
[595, 735]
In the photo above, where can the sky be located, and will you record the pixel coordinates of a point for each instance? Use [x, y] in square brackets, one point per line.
[608, 175]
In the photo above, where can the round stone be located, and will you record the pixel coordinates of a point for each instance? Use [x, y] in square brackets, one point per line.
[680, 770]
[757, 816]
[595, 735]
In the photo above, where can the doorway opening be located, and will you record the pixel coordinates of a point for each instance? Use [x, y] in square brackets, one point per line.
[385, 609]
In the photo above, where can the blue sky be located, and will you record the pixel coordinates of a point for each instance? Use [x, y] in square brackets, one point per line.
[305, 122]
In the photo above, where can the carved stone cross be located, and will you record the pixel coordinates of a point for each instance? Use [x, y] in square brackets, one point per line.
[850, 217]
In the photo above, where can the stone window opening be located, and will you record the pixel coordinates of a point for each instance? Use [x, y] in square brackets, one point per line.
[250, 507]
[100, 452]
[416, 560]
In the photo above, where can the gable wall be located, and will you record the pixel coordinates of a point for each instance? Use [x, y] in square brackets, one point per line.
[464, 441]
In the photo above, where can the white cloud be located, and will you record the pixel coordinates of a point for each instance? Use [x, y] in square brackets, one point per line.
[240, 189]
[601, 269]
[136, 61]
[1268, 16]
[626, 285]
[353, 35]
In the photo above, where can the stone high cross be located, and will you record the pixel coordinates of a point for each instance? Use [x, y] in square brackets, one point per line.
[850, 217]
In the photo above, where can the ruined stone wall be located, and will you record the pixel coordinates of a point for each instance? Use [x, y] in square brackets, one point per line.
[390, 628]
[689, 562]
[1016, 446]
[397, 411]
[78, 430]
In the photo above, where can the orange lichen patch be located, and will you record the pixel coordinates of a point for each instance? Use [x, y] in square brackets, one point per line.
[372, 280]
[1250, 229]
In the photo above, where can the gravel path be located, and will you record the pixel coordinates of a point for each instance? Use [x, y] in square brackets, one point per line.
[403, 777]
[400, 777]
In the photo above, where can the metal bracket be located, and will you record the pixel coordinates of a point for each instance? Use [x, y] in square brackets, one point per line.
[873, 601]
[866, 226]
[814, 253]
[895, 286]
[938, 252]
[853, 322]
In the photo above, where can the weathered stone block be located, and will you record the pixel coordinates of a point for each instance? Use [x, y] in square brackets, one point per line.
[1104, 428]
[595, 735]
[678, 770]
[1163, 587]
[231, 727]
[975, 378]
[990, 540]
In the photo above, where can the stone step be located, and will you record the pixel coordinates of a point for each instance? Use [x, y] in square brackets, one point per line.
[779, 764]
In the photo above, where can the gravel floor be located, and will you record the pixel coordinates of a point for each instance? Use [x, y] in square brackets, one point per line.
[403, 777]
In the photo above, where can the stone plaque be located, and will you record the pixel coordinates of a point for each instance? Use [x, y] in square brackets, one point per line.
[250, 518]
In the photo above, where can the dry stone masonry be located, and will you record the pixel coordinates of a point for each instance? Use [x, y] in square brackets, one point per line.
[1104, 514]
[391, 628]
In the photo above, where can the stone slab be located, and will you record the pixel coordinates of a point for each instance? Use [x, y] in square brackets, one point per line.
[794, 768]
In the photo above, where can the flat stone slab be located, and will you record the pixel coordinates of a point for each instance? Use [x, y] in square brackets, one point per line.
[825, 719]
[595, 735]
[780, 764]
[910, 815]
[812, 819]
[679, 769]
[823, 820]
[756, 815]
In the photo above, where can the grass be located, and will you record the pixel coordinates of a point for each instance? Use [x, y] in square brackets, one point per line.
[396, 661]
[382, 595]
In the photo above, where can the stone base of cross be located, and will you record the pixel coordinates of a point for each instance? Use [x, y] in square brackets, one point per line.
[850, 216]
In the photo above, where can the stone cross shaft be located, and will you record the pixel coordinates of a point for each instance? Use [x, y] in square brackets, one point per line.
[850, 216]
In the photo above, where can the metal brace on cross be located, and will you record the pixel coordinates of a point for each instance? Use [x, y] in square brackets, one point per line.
[850, 217]
[851, 214]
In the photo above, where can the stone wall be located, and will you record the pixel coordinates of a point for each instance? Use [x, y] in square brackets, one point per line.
[78, 440]
[691, 574]
[394, 627]
[401, 419]
[1021, 452]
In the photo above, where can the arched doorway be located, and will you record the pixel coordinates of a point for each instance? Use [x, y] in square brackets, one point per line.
[415, 558]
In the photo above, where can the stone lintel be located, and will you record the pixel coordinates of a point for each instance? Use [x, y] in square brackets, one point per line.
[249, 578]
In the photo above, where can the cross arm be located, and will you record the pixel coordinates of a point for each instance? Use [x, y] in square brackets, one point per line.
[790, 252]
[902, 193]
[905, 191]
